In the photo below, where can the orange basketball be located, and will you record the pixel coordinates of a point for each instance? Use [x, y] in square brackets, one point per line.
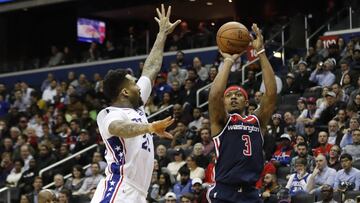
[233, 38]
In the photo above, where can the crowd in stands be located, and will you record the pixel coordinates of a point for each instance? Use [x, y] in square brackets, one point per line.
[312, 142]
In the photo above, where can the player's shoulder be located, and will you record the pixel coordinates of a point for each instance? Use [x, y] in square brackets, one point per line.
[109, 111]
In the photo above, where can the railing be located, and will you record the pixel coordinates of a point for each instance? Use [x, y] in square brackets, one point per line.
[327, 24]
[160, 111]
[8, 195]
[65, 178]
[198, 96]
[66, 159]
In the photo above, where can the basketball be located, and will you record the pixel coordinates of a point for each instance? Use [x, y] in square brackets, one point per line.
[233, 38]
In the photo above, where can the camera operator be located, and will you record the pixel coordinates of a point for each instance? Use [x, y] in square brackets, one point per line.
[322, 75]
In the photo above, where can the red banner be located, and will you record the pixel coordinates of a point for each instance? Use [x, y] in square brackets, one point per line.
[251, 54]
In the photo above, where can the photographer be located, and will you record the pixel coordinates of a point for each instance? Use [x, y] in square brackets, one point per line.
[322, 75]
[348, 178]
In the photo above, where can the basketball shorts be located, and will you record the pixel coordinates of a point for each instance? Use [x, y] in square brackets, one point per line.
[222, 193]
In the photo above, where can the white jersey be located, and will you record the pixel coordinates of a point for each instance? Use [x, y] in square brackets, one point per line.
[129, 160]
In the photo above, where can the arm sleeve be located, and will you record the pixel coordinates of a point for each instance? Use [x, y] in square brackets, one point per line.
[331, 179]
[336, 181]
[116, 115]
[313, 76]
[145, 88]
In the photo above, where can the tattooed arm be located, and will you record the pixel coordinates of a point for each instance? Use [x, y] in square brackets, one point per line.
[128, 129]
[153, 62]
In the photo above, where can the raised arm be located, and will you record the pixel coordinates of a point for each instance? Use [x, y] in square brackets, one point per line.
[268, 101]
[217, 112]
[128, 129]
[153, 62]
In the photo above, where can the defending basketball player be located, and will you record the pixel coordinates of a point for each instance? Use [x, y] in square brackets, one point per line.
[238, 139]
[124, 128]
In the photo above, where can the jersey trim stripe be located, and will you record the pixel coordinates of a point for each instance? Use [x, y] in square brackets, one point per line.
[262, 136]
[116, 191]
[227, 123]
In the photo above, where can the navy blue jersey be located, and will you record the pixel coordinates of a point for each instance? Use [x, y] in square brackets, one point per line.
[239, 150]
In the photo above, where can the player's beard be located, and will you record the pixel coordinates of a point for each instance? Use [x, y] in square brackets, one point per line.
[238, 111]
[137, 103]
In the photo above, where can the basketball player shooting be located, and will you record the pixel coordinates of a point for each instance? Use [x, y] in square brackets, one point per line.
[238, 138]
[124, 128]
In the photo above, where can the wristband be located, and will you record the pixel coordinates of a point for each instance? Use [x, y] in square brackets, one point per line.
[260, 52]
[229, 59]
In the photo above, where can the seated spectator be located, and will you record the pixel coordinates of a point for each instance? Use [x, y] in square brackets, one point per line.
[197, 115]
[348, 178]
[347, 138]
[354, 148]
[324, 146]
[281, 156]
[198, 153]
[327, 194]
[176, 73]
[270, 188]
[64, 196]
[334, 155]
[289, 85]
[181, 139]
[178, 162]
[24, 199]
[322, 75]
[206, 140]
[195, 170]
[110, 51]
[165, 100]
[330, 109]
[90, 182]
[307, 115]
[302, 151]
[187, 198]
[97, 158]
[276, 127]
[59, 184]
[27, 178]
[13, 178]
[164, 187]
[161, 156]
[298, 139]
[34, 194]
[184, 185]
[321, 175]
[170, 197]
[198, 190]
[302, 76]
[252, 84]
[160, 88]
[188, 93]
[298, 181]
[46, 157]
[335, 135]
[82, 143]
[50, 92]
[75, 182]
[340, 94]
[56, 56]
[92, 54]
[202, 72]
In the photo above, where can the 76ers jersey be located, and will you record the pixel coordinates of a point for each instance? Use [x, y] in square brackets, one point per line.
[130, 159]
[239, 150]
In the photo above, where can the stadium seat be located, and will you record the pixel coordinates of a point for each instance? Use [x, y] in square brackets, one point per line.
[286, 107]
[309, 93]
[290, 99]
[303, 198]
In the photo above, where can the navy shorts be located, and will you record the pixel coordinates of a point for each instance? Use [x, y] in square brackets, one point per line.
[221, 193]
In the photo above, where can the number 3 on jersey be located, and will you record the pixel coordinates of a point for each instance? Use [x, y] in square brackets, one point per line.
[247, 143]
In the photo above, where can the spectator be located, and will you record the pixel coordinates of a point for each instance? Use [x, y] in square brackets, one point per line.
[82, 143]
[161, 156]
[50, 92]
[13, 178]
[201, 71]
[58, 183]
[164, 187]
[335, 135]
[276, 127]
[354, 148]
[195, 170]
[197, 115]
[90, 182]
[281, 156]
[46, 157]
[302, 77]
[181, 138]
[252, 84]
[344, 69]
[110, 51]
[347, 138]
[188, 94]
[330, 109]
[179, 116]
[178, 162]
[322, 75]
[75, 182]
[319, 48]
[97, 158]
[206, 140]
[290, 86]
[324, 146]
[175, 92]
[340, 94]
[28, 177]
[327, 194]
[170, 197]
[92, 54]
[341, 120]
[161, 87]
[321, 175]
[348, 178]
[64, 196]
[4, 106]
[37, 185]
[184, 186]
[334, 155]
[26, 92]
[198, 191]
[355, 64]
[176, 73]
[19, 103]
[56, 56]
[69, 57]
[302, 151]
[347, 85]
[307, 114]
[24, 199]
[201, 159]
[180, 56]
[270, 188]
[298, 181]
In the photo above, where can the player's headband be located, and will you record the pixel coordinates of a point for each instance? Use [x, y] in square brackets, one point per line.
[235, 87]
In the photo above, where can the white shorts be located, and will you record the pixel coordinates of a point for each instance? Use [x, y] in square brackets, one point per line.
[115, 190]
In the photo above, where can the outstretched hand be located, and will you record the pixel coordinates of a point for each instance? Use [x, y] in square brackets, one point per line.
[226, 55]
[159, 127]
[163, 20]
[257, 43]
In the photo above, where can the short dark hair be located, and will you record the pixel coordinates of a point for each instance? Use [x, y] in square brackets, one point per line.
[302, 144]
[301, 161]
[113, 80]
[346, 156]
[184, 171]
